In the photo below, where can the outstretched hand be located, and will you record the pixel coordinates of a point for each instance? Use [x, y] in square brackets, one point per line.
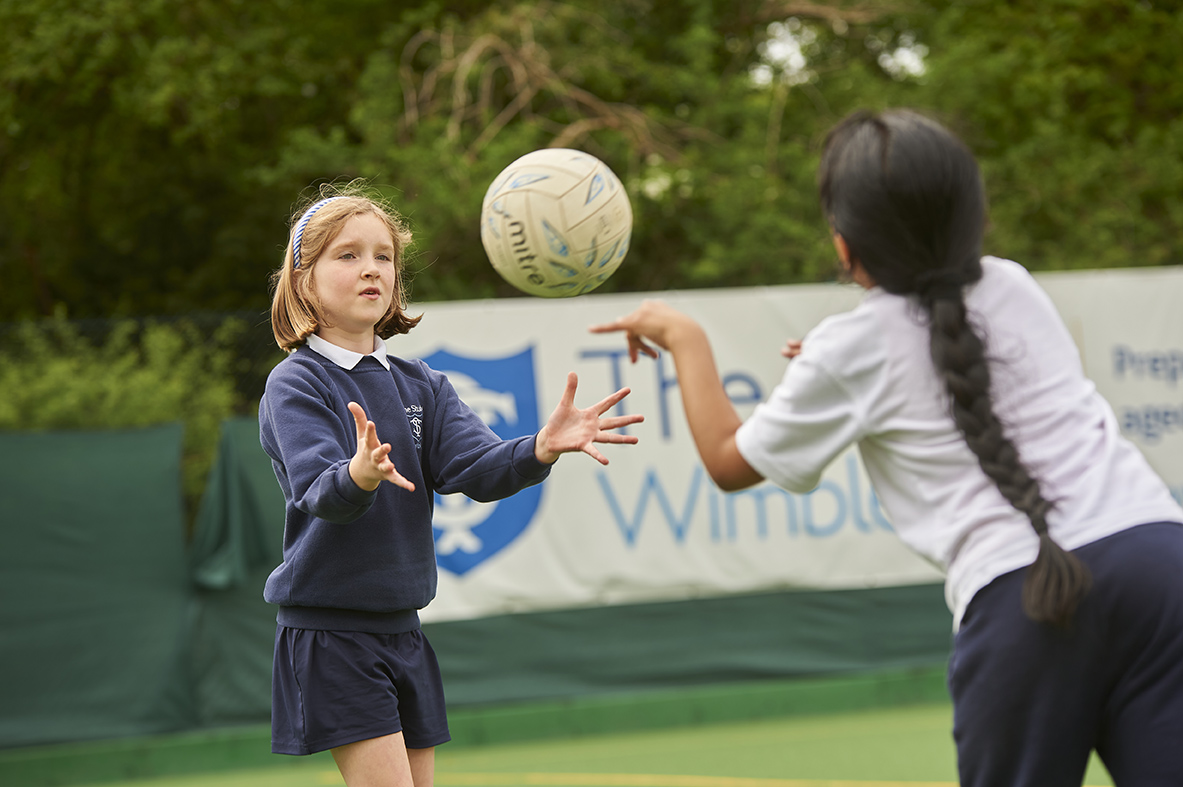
[570, 429]
[371, 465]
[653, 321]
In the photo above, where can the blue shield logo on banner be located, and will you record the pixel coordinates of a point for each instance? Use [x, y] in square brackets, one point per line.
[502, 392]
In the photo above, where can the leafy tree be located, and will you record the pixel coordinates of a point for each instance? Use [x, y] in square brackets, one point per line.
[150, 152]
[1076, 110]
[125, 132]
[663, 92]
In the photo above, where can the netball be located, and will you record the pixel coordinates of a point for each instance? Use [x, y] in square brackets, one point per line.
[556, 223]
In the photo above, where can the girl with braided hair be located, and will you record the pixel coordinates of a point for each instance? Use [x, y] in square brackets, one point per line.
[992, 454]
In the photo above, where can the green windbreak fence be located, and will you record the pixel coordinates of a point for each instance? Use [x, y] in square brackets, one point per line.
[237, 540]
[96, 607]
[110, 626]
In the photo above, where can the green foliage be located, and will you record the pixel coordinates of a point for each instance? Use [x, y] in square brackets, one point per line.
[125, 130]
[720, 169]
[1075, 108]
[139, 375]
[150, 153]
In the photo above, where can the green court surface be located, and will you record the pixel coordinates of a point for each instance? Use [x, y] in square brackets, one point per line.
[893, 747]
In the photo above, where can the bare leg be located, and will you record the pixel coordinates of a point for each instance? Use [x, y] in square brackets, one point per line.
[378, 762]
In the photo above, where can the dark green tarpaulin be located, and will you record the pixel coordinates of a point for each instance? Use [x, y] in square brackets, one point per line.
[545, 655]
[107, 629]
[95, 606]
[237, 540]
[239, 529]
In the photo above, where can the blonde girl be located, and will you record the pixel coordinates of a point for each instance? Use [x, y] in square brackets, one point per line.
[360, 439]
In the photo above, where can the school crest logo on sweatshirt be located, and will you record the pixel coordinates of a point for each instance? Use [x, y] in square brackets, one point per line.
[415, 419]
[502, 392]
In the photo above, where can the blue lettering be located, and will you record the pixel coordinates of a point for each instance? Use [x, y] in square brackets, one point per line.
[856, 495]
[758, 495]
[741, 388]
[1151, 422]
[878, 515]
[835, 524]
[678, 525]
[713, 496]
[1164, 365]
[664, 383]
[749, 513]
[750, 394]
[1123, 358]
[614, 359]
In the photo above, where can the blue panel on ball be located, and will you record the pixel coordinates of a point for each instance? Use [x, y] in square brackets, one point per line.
[554, 240]
[609, 254]
[563, 270]
[594, 188]
[526, 180]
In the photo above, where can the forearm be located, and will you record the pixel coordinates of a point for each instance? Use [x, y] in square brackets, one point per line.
[709, 412]
[332, 496]
[493, 471]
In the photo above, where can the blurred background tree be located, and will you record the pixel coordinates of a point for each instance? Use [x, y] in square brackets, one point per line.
[152, 152]
[1075, 108]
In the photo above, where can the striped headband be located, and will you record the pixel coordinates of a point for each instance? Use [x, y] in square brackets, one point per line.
[301, 224]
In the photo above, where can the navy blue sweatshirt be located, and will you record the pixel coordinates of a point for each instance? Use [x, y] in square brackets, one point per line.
[365, 561]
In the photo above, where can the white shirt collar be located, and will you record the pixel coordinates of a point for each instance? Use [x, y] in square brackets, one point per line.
[347, 359]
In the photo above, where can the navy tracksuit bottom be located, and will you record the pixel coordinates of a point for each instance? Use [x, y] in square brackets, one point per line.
[1031, 701]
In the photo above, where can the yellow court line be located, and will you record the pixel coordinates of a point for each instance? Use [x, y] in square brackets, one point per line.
[459, 779]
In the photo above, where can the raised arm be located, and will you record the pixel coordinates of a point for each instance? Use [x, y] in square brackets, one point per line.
[709, 412]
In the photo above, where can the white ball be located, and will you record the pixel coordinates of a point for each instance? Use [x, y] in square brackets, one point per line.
[556, 223]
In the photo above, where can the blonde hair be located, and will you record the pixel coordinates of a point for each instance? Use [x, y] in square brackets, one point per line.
[296, 312]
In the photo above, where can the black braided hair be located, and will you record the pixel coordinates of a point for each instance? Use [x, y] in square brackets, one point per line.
[906, 196]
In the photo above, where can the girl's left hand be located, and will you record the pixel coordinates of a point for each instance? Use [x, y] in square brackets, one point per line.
[791, 349]
[570, 429]
[371, 465]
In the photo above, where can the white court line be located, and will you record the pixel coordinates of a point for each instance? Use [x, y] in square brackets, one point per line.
[460, 779]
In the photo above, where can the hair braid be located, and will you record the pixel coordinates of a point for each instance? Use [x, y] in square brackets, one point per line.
[907, 198]
[1057, 580]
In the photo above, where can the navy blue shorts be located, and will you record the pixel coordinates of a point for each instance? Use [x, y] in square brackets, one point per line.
[1030, 701]
[330, 688]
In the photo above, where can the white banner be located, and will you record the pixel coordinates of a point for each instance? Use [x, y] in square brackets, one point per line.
[651, 525]
[1128, 325]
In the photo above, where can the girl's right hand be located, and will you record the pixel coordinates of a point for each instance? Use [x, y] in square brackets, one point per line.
[654, 321]
[371, 465]
[791, 349]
